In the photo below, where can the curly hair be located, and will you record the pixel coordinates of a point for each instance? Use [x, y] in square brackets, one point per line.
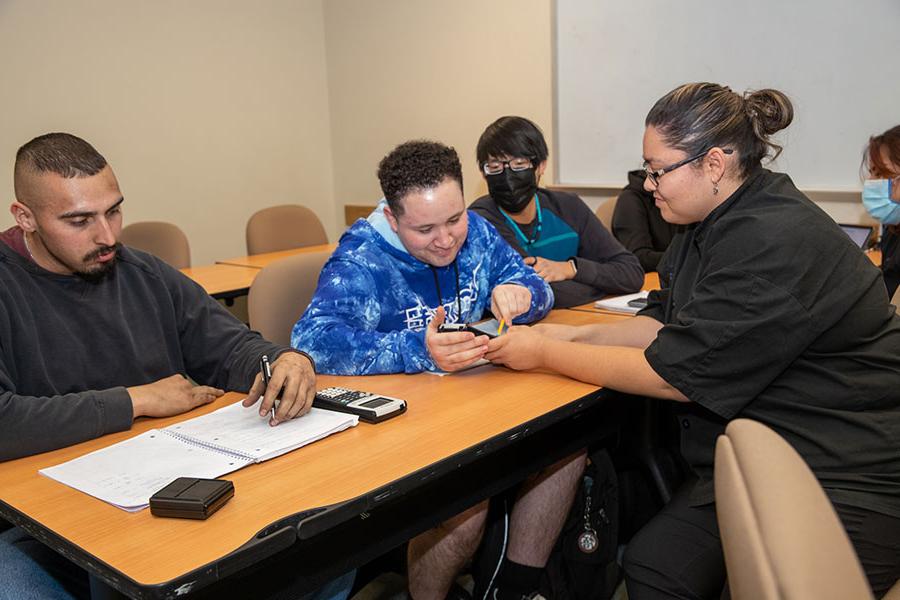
[415, 166]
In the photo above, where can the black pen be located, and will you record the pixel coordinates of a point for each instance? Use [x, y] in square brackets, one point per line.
[266, 371]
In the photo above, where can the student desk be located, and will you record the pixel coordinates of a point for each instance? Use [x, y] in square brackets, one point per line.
[875, 256]
[331, 506]
[223, 282]
[651, 282]
[258, 261]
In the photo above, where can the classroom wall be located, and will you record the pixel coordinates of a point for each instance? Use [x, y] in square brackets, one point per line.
[207, 110]
[408, 69]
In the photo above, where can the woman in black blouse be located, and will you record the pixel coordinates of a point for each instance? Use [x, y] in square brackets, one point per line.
[768, 311]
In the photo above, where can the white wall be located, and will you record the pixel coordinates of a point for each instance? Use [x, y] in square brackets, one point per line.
[403, 69]
[211, 109]
[832, 57]
[207, 110]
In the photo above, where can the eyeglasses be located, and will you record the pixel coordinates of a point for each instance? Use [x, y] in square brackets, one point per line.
[654, 175]
[495, 167]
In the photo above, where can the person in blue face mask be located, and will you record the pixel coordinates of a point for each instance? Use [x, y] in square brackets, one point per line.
[556, 232]
[881, 197]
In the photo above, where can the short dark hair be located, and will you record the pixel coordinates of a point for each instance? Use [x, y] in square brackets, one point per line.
[61, 153]
[415, 166]
[512, 136]
[695, 117]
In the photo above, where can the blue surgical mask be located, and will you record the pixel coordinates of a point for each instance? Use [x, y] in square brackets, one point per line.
[876, 197]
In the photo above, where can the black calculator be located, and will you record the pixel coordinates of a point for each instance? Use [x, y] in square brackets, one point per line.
[371, 408]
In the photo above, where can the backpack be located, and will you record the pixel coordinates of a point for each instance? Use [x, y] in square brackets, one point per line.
[583, 563]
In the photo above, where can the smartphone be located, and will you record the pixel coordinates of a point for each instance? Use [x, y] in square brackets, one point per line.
[638, 303]
[476, 328]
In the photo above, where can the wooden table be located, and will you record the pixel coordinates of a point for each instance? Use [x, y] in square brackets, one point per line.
[875, 256]
[221, 281]
[258, 261]
[464, 437]
[651, 282]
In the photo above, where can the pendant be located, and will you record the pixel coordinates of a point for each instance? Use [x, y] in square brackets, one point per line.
[588, 542]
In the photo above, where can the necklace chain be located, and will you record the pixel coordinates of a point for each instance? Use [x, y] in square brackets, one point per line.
[27, 247]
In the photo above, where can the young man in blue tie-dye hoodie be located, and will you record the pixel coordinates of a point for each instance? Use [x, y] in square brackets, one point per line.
[420, 259]
[420, 251]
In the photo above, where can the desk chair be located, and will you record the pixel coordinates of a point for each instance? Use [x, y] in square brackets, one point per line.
[161, 239]
[282, 228]
[280, 294]
[605, 211]
[782, 538]
[895, 299]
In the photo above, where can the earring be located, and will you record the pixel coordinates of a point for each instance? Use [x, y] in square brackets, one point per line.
[715, 188]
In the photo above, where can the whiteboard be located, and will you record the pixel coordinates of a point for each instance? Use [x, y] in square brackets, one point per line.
[836, 59]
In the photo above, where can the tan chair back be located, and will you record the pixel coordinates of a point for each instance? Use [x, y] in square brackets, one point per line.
[281, 292]
[782, 538]
[605, 211]
[895, 299]
[282, 228]
[161, 239]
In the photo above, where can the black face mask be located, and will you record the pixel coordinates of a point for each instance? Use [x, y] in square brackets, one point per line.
[512, 190]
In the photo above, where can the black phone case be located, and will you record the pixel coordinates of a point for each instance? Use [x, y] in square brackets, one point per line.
[191, 498]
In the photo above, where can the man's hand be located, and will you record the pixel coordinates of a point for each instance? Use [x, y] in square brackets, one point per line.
[520, 348]
[455, 350]
[510, 300]
[551, 270]
[293, 382]
[170, 396]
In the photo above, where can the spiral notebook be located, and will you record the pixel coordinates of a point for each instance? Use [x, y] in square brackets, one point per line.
[128, 473]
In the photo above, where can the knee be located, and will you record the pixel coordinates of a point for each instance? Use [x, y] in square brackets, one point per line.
[564, 474]
[573, 465]
[464, 530]
[638, 559]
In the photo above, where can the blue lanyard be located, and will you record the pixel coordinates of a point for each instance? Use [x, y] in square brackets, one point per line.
[536, 234]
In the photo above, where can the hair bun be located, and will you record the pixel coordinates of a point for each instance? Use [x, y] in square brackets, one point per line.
[768, 110]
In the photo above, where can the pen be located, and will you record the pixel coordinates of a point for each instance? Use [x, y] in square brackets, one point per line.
[500, 327]
[266, 371]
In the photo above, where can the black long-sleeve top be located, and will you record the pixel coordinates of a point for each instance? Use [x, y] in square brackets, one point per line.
[69, 348]
[639, 225]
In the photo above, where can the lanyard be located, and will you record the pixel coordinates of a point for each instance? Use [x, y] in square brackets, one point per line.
[437, 284]
[536, 234]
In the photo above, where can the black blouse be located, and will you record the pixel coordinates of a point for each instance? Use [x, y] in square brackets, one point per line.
[772, 313]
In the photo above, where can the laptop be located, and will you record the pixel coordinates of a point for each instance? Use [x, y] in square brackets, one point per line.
[861, 234]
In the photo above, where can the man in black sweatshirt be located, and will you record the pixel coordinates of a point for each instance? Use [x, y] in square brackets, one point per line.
[94, 334]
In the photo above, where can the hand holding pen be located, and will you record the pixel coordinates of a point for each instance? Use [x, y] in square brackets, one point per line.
[286, 386]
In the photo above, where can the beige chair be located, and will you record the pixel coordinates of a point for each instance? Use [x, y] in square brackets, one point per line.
[782, 538]
[605, 211]
[282, 228]
[895, 299]
[281, 292]
[161, 239]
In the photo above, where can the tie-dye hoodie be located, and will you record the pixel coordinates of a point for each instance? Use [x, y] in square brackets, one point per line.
[374, 299]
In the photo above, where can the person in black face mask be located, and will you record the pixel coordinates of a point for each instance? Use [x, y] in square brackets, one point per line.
[556, 232]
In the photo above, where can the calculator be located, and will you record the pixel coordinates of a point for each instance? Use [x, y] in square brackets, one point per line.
[371, 408]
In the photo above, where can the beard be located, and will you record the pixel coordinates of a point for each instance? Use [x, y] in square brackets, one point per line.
[101, 271]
